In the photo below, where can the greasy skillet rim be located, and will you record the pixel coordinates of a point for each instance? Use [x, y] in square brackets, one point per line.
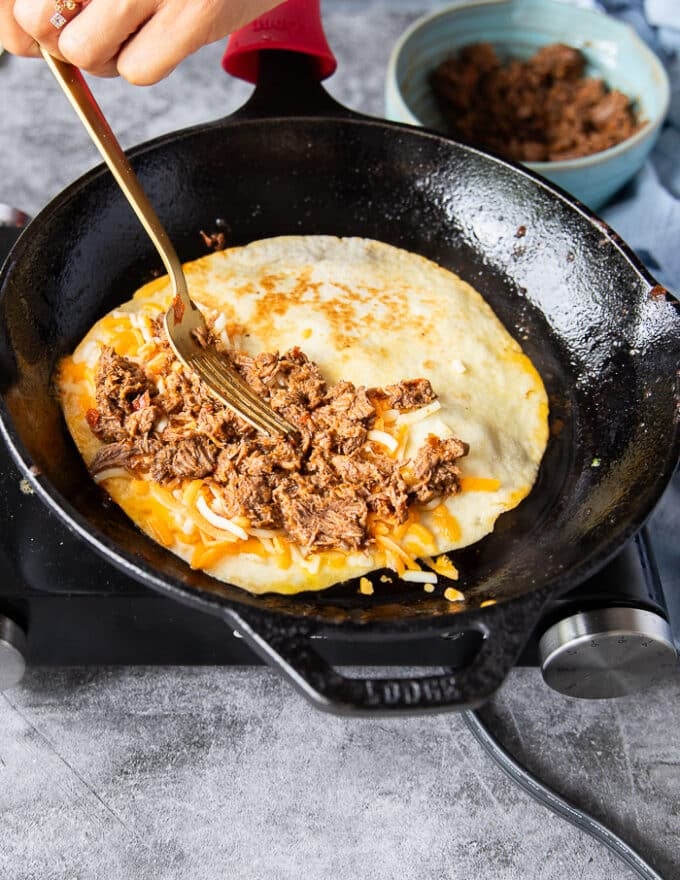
[145, 573]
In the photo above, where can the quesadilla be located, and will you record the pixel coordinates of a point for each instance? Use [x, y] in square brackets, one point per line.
[420, 420]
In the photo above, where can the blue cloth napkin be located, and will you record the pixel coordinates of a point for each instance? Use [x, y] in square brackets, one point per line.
[646, 213]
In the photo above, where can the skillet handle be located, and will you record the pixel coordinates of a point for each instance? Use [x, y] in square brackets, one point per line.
[505, 629]
[294, 26]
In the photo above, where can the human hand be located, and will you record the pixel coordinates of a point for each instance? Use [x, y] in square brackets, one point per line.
[140, 40]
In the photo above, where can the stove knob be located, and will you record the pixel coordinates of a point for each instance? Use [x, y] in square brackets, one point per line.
[12, 647]
[607, 652]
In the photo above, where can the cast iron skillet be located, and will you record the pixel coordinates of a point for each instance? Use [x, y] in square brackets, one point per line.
[603, 334]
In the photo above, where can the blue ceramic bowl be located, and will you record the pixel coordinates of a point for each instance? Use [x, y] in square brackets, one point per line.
[518, 28]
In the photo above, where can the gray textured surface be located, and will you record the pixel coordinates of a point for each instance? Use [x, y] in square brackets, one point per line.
[209, 773]
[199, 773]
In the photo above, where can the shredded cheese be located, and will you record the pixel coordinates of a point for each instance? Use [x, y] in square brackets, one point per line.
[420, 577]
[419, 539]
[311, 563]
[479, 484]
[447, 523]
[417, 415]
[453, 595]
[443, 566]
[282, 550]
[109, 473]
[220, 522]
[266, 533]
[398, 553]
[384, 439]
[365, 587]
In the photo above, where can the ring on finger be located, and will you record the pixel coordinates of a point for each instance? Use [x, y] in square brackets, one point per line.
[58, 20]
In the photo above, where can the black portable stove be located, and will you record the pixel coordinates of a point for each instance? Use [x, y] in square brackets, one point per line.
[61, 604]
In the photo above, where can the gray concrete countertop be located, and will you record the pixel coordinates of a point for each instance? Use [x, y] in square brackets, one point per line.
[212, 773]
[207, 773]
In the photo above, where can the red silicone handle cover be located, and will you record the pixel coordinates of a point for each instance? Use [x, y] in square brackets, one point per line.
[294, 25]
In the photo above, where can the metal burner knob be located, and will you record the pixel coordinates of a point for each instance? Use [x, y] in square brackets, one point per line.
[607, 652]
[12, 647]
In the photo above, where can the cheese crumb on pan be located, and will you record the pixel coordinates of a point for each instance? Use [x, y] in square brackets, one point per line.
[365, 587]
[420, 577]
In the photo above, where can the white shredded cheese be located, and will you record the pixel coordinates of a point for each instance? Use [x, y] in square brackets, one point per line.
[417, 415]
[110, 472]
[390, 415]
[89, 355]
[312, 563]
[188, 525]
[161, 424]
[265, 533]
[385, 439]
[420, 577]
[458, 366]
[217, 499]
[358, 559]
[296, 554]
[220, 522]
[72, 387]
[220, 323]
[144, 329]
[268, 545]
[430, 505]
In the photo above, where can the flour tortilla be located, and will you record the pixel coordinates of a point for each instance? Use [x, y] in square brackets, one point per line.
[366, 312]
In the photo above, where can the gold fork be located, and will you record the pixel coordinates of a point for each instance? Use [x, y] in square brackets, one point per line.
[183, 318]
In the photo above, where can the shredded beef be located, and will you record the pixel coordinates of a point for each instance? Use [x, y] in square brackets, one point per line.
[405, 395]
[141, 421]
[378, 480]
[341, 423]
[219, 423]
[122, 454]
[319, 486]
[538, 110]
[332, 520]
[121, 385]
[434, 468]
[249, 495]
[183, 393]
[193, 459]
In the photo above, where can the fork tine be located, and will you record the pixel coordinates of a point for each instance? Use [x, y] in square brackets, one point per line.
[235, 392]
[233, 396]
[227, 379]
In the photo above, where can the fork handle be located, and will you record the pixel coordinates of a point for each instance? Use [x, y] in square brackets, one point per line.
[84, 103]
